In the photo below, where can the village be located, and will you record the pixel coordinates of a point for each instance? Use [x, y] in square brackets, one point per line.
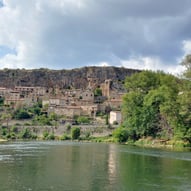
[94, 99]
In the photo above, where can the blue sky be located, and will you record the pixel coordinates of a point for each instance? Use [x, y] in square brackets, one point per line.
[65, 34]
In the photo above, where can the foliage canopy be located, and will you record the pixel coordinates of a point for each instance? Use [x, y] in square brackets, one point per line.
[157, 105]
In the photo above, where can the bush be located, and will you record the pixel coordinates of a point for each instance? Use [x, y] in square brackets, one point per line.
[121, 134]
[14, 129]
[26, 134]
[87, 134]
[22, 114]
[64, 137]
[34, 136]
[98, 92]
[45, 134]
[83, 120]
[27, 124]
[8, 136]
[68, 127]
[51, 137]
[75, 133]
[4, 132]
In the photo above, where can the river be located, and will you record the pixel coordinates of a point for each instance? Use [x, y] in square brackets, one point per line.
[73, 166]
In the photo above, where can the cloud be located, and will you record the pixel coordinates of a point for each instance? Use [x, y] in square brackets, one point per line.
[155, 64]
[73, 33]
[187, 47]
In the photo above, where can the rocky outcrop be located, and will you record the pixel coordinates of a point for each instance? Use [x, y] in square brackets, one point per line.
[77, 78]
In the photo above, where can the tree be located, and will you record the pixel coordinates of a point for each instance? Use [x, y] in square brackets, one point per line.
[121, 134]
[186, 62]
[6, 117]
[83, 120]
[150, 107]
[1, 101]
[142, 82]
[97, 92]
[75, 133]
[22, 114]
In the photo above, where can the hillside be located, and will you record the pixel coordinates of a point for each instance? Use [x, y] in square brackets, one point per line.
[77, 78]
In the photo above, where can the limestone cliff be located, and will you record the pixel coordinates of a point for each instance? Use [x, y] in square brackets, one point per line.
[77, 78]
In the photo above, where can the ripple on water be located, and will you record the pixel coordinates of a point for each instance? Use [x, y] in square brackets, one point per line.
[186, 156]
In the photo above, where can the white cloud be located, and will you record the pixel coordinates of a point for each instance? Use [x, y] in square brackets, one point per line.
[186, 47]
[151, 63]
[100, 64]
[73, 33]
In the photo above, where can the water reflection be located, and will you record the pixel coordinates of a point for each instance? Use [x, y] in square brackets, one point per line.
[71, 166]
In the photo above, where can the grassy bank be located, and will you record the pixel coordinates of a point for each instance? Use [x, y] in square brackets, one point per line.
[160, 143]
[103, 135]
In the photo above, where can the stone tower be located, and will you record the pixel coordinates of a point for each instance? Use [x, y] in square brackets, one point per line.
[106, 86]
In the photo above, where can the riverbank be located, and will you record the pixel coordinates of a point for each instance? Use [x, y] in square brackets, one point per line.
[88, 133]
[161, 143]
[146, 142]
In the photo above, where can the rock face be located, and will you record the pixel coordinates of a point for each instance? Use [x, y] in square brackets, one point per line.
[76, 78]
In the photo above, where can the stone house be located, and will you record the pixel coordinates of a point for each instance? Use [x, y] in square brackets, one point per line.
[115, 116]
[69, 111]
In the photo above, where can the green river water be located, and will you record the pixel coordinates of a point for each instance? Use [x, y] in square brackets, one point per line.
[72, 166]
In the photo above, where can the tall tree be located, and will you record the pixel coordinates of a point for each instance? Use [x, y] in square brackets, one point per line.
[186, 62]
[150, 107]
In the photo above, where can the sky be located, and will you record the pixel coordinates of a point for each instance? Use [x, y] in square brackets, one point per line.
[66, 34]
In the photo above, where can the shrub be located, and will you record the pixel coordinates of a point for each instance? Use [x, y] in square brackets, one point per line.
[34, 136]
[83, 120]
[121, 134]
[68, 127]
[98, 92]
[45, 134]
[64, 137]
[87, 134]
[22, 114]
[75, 133]
[51, 137]
[3, 130]
[14, 129]
[26, 134]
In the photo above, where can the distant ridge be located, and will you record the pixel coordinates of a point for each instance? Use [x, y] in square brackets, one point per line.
[76, 78]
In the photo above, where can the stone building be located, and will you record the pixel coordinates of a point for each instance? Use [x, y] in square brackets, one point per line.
[115, 116]
[106, 88]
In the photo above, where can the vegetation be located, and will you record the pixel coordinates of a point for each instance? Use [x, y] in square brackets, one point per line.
[22, 114]
[98, 92]
[120, 134]
[75, 133]
[83, 120]
[157, 105]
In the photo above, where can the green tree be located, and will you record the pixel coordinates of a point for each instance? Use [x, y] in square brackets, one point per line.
[186, 62]
[1, 101]
[150, 107]
[75, 133]
[22, 114]
[120, 134]
[6, 117]
[26, 134]
[83, 120]
[97, 92]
